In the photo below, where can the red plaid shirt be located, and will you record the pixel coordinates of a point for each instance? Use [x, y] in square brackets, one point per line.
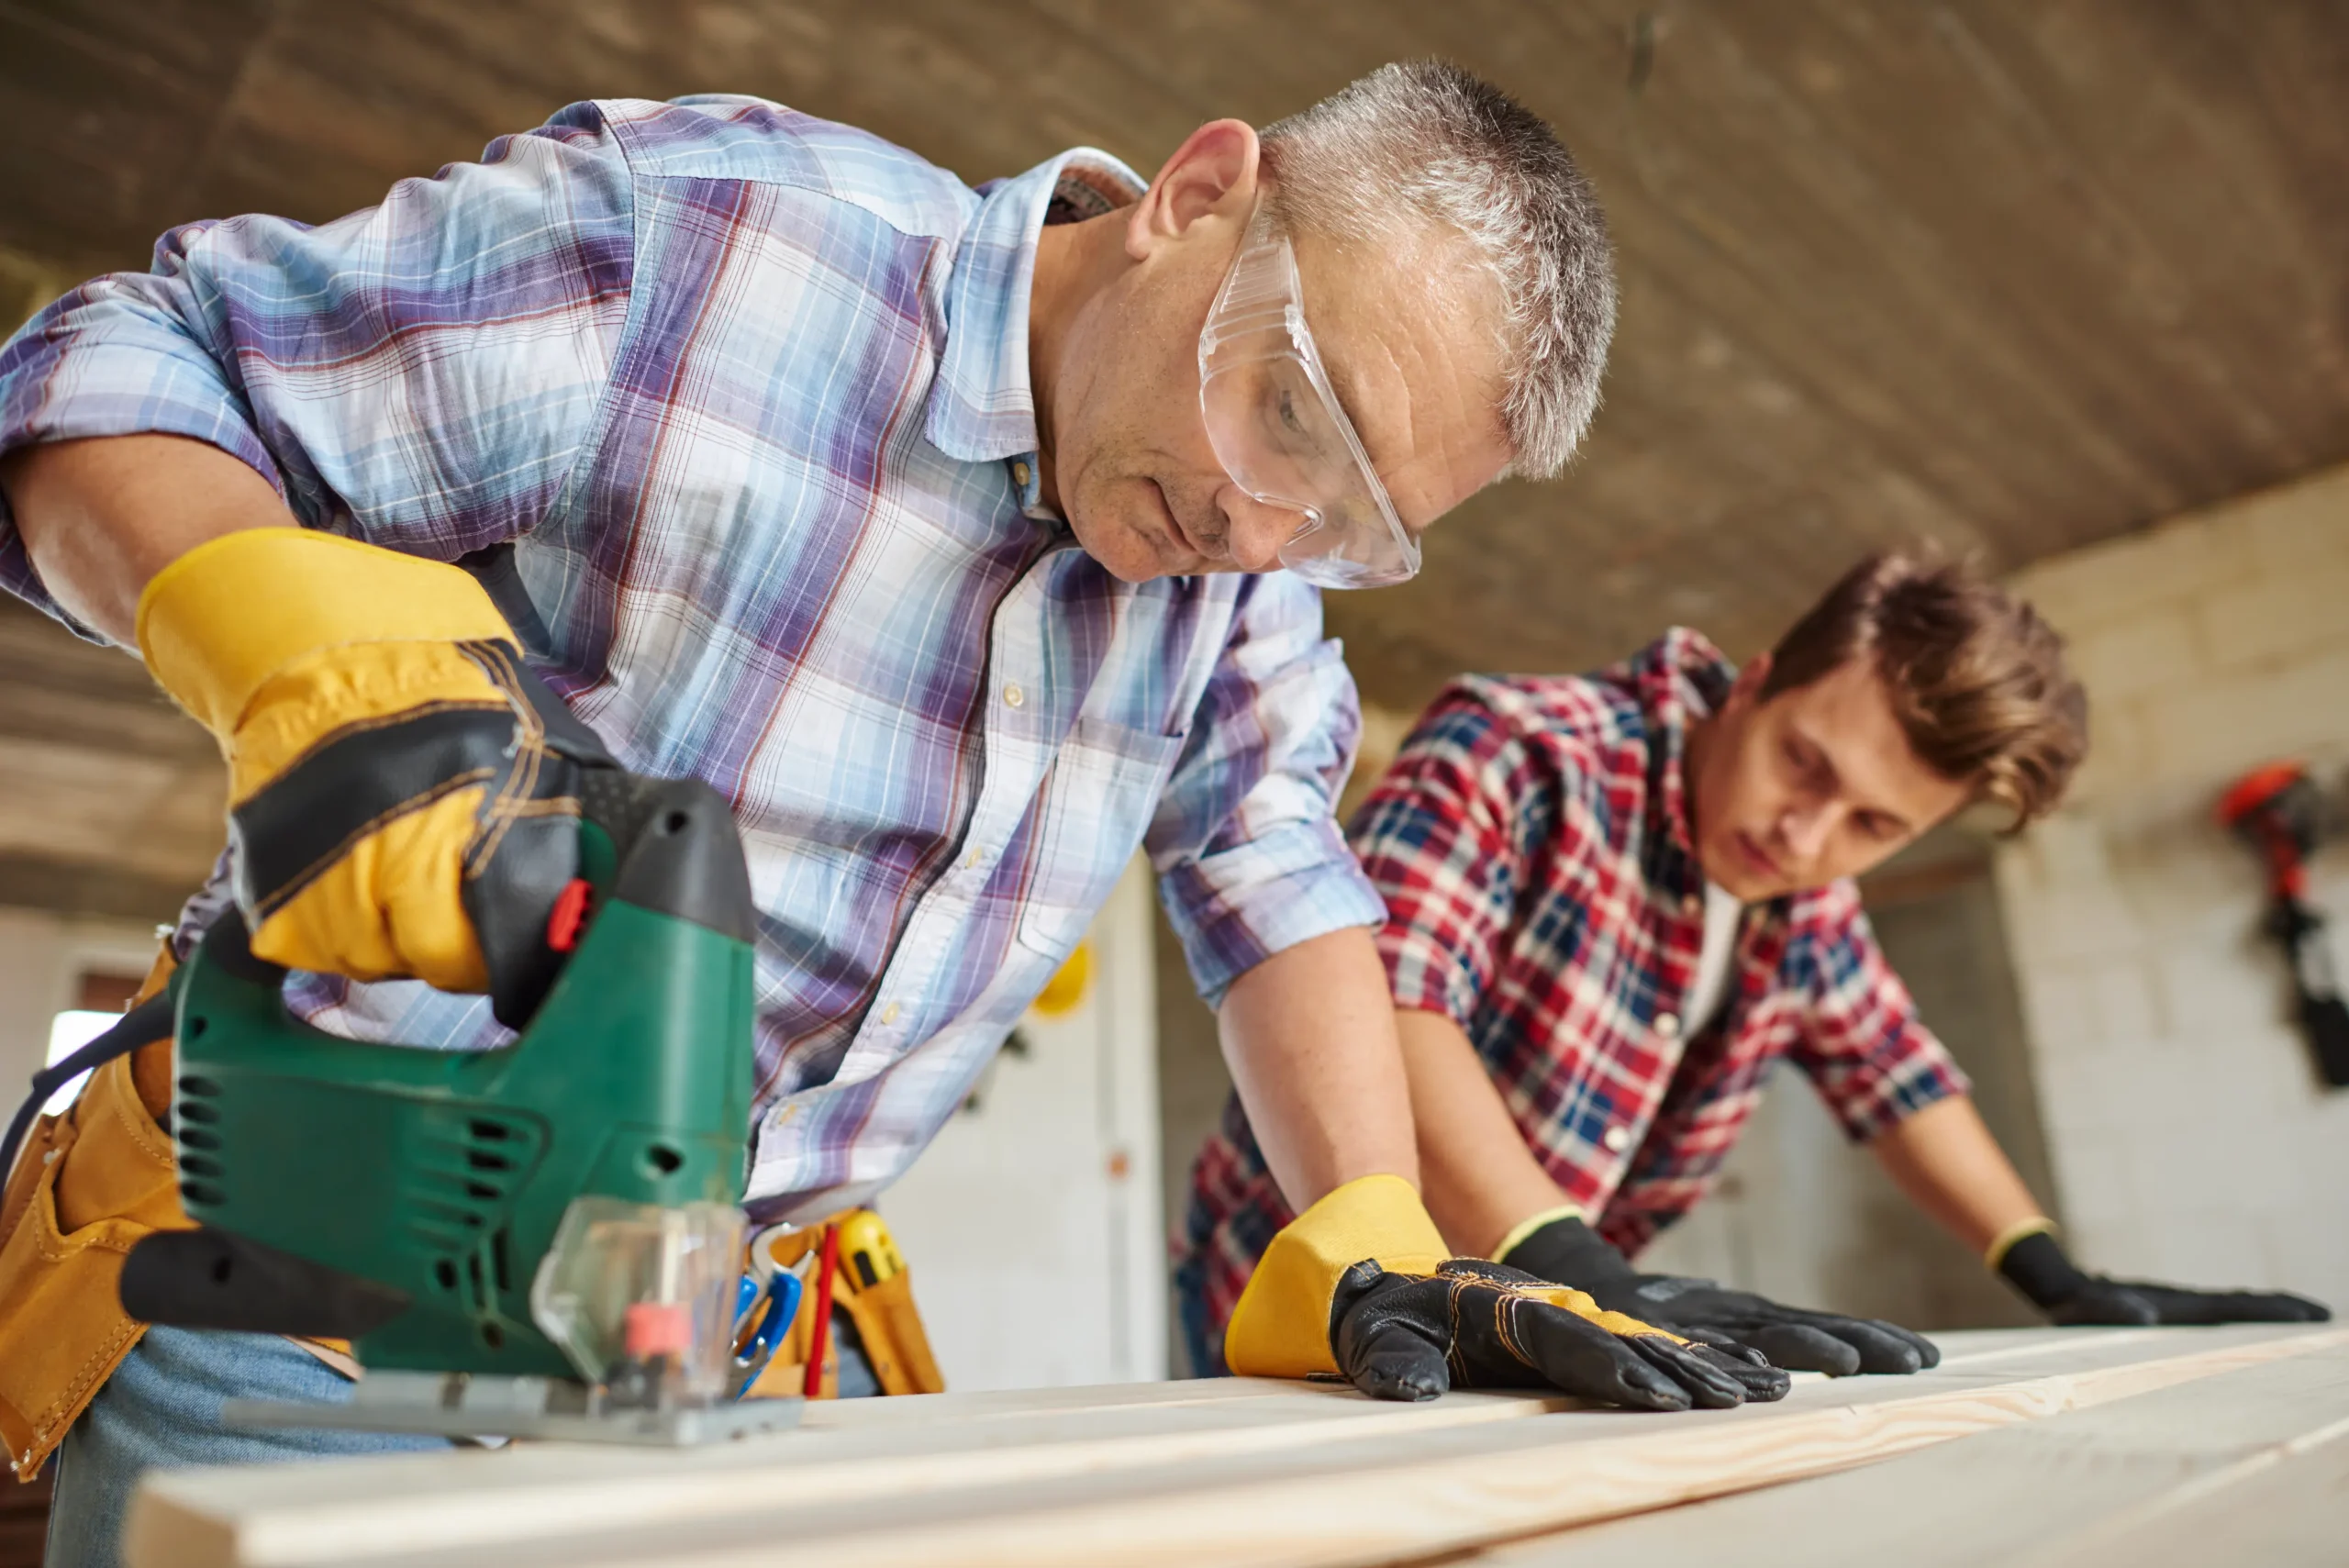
[1531, 843]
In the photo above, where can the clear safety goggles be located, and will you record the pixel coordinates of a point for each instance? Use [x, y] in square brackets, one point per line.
[1278, 429]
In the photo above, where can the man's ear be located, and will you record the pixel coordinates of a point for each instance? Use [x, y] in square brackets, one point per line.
[1213, 174]
[1746, 690]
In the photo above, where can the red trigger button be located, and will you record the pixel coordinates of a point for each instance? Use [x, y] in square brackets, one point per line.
[570, 913]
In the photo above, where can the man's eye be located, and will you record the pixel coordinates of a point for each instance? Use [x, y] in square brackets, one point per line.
[1287, 404]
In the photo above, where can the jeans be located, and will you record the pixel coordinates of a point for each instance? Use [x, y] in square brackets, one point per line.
[161, 1410]
[1202, 1340]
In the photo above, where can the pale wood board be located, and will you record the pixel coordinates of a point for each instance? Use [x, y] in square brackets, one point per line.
[2042, 1495]
[367, 1508]
[2288, 1508]
[364, 1507]
[1290, 1475]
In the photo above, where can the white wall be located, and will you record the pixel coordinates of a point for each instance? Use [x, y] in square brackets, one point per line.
[42, 957]
[2189, 1135]
[1030, 1227]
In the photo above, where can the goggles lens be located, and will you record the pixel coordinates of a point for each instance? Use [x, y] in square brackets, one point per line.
[1279, 431]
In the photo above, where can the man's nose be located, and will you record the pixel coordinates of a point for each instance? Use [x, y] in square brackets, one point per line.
[1805, 831]
[1256, 530]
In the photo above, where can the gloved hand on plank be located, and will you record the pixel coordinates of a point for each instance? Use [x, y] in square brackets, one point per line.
[1359, 1285]
[2037, 1265]
[403, 793]
[1569, 1251]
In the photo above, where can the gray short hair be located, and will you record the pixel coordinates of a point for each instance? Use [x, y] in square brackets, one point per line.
[1455, 150]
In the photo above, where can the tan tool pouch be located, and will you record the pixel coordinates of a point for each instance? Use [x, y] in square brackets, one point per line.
[89, 1183]
[887, 1319]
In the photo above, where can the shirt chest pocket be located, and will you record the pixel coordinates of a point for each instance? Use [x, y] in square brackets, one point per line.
[1096, 804]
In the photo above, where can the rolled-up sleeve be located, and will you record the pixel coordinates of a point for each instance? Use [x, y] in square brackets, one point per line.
[1245, 842]
[1862, 1044]
[420, 374]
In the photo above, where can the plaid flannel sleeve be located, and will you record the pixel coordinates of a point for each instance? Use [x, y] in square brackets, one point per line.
[1438, 841]
[419, 375]
[1863, 1045]
[1245, 841]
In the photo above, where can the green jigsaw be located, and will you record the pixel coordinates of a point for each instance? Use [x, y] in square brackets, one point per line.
[542, 1239]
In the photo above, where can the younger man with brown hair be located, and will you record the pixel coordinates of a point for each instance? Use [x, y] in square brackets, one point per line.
[1615, 901]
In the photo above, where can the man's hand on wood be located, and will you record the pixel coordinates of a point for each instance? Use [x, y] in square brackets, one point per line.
[1358, 1286]
[1570, 1253]
[1477, 1324]
[2038, 1266]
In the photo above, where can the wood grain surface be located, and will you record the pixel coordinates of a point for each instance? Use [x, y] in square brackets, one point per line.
[1179, 1473]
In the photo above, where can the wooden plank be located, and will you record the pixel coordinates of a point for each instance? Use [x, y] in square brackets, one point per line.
[1035, 1433]
[2287, 1506]
[1309, 1476]
[1429, 1495]
[368, 1509]
[2057, 1488]
[928, 1409]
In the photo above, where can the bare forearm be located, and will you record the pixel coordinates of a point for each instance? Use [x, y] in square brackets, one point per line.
[1309, 1036]
[1950, 1166]
[1479, 1179]
[100, 517]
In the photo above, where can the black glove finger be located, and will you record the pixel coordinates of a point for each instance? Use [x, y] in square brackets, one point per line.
[2105, 1303]
[1576, 1356]
[1883, 1347]
[2203, 1306]
[1390, 1359]
[1798, 1346]
[1709, 1380]
[1729, 1345]
[1928, 1353]
[1760, 1382]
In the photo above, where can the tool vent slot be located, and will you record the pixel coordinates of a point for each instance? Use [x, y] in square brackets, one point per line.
[457, 1190]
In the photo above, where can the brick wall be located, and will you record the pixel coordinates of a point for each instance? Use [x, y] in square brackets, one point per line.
[2189, 1136]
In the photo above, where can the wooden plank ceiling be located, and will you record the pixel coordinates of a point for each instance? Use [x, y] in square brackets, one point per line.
[2012, 274]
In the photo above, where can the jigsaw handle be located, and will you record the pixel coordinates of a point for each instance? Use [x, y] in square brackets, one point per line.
[675, 847]
[667, 846]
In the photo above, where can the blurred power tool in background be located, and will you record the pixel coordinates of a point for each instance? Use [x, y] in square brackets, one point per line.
[2280, 811]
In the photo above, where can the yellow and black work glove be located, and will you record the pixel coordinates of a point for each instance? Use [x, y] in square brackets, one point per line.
[404, 795]
[1571, 1252]
[2037, 1265]
[1357, 1286]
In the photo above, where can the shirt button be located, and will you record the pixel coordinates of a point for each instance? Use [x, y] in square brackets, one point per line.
[1616, 1138]
[1019, 474]
[784, 1113]
[889, 1014]
[1691, 905]
[1013, 697]
[1667, 1026]
[975, 859]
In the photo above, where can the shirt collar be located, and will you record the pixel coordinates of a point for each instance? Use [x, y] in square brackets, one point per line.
[1679, 678]
[982, 408]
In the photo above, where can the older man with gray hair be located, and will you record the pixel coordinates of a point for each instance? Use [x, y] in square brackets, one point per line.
[966, 539]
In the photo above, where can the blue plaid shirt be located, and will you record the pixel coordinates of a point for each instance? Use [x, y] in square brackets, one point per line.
[749, 395]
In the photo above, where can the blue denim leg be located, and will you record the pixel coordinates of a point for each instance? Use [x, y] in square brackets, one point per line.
[854, 1376]
[161, 1409]
[1200, 1338]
